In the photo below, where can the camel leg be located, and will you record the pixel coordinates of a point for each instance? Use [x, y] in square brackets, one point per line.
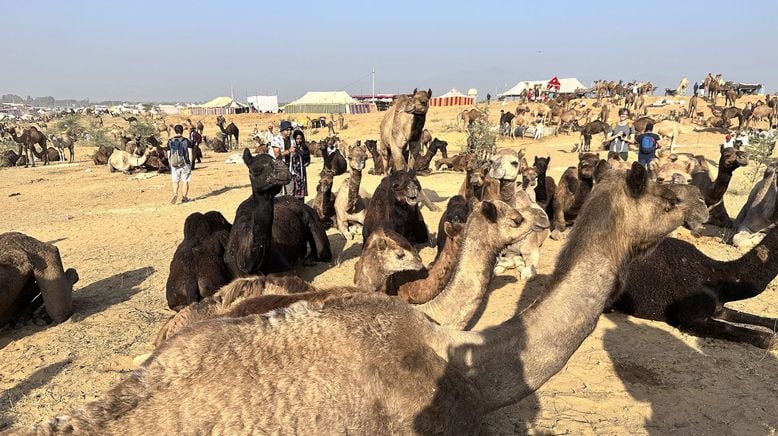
[425, 200]
[732, 315]
[713, 328]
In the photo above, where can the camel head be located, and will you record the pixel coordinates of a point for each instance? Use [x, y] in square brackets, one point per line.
[438, 145]
[419, 102]
[732, 158]
[651, 209]
[500, 225]
[406, 187]
[267, 175]
[357, 157]
[395, 252]
[326, 178]
[529, 177]
[476, 175]
[587, 163]
[541, 163]
[506, 164]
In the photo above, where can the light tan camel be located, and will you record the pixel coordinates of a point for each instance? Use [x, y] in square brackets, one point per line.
[308, 368]
[682, 85]
[351, 201]
[672, 129]
[401, 129]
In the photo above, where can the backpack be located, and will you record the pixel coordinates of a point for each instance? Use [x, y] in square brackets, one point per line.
[176, 160]
[647, 144]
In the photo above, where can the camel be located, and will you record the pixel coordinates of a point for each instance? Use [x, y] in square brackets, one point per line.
[65, 142]
[474, 185]
[30, 269]
[272, 234]
[102, 154]
[352, 202]
[32, 144]
[459, 162]
[525, 255]
[217, 144]
[468, 117]
[324, 202]
[571, 193]
[693, 298]
[759, 212]
[395, 206]
[378, 162]
[671, 129]
[10, 158]
[130, 119]
[197, 270]
[312, 365]
[713, 190]
[763, 113]
[457, 211]
[730, 97]
[692, 108]
[669, 169]
[387, 252]
[423, 163]
[333, 158]
[546, 186]
[162, 127]
[231, 132]
[401, 128]
[122, 161]
[589, 130]
[605, 112]
[682, 85]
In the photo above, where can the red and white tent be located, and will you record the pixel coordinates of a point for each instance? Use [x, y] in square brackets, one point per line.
[452, 98]
[553, 84]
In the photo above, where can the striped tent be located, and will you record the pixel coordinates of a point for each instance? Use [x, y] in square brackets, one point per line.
[452, 98]
[219, 106]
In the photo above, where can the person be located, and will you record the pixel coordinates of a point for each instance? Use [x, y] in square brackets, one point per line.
[180, 157]
[696, 88]
[729, 142]
[269, 135]
[648, 143]
[488, 98]
[531, 95]
[621, 135]
[284, 147]
[539, 130]
[298, 161]
[196, 139]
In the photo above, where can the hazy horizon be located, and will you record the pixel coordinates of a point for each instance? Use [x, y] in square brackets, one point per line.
[195, 51]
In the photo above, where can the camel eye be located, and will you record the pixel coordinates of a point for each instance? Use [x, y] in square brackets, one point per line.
[515, 163]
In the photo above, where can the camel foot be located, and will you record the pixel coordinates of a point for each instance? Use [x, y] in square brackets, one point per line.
[528, 273]
[558, 236]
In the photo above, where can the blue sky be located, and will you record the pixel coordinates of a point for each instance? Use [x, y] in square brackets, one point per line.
[192, 50]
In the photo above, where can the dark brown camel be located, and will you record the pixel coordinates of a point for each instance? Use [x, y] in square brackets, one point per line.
[29, 142]
[713, 190]
[378, 162]
[590, 129]
[324, 202]
[571, 192]
[690, 295]
[395, 206]
[272, 234]
[544, 191]
[231, 132]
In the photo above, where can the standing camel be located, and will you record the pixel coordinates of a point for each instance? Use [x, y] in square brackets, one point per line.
[31, 137]
[231, 132]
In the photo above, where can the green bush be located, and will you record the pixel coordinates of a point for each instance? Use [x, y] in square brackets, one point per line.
[482, 138]
[760, 151]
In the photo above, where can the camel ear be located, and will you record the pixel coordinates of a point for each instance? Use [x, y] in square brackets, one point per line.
[637, 180]
[602, 167]
[489, 210]
[246, 156]
[381, 244]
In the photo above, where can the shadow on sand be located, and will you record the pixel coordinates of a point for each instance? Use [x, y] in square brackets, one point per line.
[220, 191]
[102, 294]
[690, 391]
[37, 379]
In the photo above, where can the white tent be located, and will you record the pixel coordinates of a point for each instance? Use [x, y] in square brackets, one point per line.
[321, 102]
[452, 98]
[264, 103]
[565, 86]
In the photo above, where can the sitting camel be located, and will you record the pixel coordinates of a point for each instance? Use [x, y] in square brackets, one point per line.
[197, 269]
[474, 185]
[352, 202]
[692, 298]
[713, 190]
[387, 252]
[333, 158]
[395, 206]
[423, 163]
[571, 192]
[546, 186]
[324, 202]
[31, 273]
[272, 234]
[378, 162]
[312, 365]
[459, 162]
[122, 161]
[759, 212]
[102, 154]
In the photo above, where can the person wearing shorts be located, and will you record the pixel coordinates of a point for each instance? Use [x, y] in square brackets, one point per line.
[180, 156]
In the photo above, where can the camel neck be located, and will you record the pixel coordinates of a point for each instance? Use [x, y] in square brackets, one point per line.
[459, 300]
[751, 274]
[720, 186]
[508, 191]
[512, 360]
[353, 189]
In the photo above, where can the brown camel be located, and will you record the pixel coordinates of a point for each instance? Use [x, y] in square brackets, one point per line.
[67, 141]
[401, 129]
[474, 185]
[459, 162]
[395, 206]
[352, 201]
[692, 298]
[102, 154]
[692, 108]
[714, 190]
[571, 193]
[31, 274]
[197, 270]
[760, 211]
[387, 252]
[324, 202]
[378, 162]
[311, 366]
[505, 167]
[546, 186]
[468, 117]
[590, 130]
[32, 144]
[231, 132]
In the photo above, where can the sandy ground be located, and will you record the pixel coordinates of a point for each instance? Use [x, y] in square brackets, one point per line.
[629, 377]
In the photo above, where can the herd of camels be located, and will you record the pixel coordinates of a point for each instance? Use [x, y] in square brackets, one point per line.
[255, 349]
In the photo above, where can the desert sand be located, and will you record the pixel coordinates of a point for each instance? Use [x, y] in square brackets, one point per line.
[629, 377]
